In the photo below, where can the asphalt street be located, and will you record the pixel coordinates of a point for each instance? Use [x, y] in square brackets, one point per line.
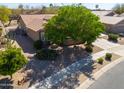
[112, 79]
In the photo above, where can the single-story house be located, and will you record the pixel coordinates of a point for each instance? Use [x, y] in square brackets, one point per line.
[104, 13]
[33, 25]
[112, 22]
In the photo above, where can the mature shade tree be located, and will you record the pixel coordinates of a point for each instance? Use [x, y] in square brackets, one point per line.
[4, 14]
[118, 8]
[75, 22]
[11, 60]
[21, 8]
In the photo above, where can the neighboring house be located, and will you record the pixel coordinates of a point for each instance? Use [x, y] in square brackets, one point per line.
[104, 13]
[113, 23]
[33, 25]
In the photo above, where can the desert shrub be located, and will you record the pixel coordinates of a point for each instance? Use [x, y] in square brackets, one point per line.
[100, 60]
[89, 48]
[46, 54]
[108, 56]
[38, 44]
[11, 60]
[113, 37]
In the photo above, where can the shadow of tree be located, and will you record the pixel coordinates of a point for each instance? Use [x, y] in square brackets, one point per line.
[6, 83]
[41, 69]
[72, 81]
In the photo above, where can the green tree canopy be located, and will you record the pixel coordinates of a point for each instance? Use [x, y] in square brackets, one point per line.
[75, 22]
[4, 13]
[118, 8]
[11, 60]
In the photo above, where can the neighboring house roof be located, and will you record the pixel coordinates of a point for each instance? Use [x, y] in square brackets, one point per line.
[108, 17]
[103, 13]
[111, 19]
[35, 22]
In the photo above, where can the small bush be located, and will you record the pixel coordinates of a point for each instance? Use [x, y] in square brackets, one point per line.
[11, 60]
[46, 54]
[108, 56]
[38, 44]
[100, 60]
[89, 49]
[113, 37]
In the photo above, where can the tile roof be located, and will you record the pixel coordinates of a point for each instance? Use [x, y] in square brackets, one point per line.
[102, 13]
[35, 22]
[111, 20]
[107, 19]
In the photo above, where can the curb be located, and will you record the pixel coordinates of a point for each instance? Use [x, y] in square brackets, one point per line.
[99, 73]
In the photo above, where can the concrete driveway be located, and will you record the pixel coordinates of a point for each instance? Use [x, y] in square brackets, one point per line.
[112, 79]
[104, 44]
[119, 50]
[22, 41]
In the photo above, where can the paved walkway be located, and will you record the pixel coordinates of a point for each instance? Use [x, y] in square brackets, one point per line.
[109, 46]
[104, 44]
[119, 50]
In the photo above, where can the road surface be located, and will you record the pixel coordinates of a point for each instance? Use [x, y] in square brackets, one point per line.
[112, 79]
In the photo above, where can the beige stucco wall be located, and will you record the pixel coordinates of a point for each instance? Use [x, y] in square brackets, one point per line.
[118, 28]
[32, 34]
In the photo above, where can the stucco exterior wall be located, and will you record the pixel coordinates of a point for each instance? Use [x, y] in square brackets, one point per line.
[33, 35]
[118, 28]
